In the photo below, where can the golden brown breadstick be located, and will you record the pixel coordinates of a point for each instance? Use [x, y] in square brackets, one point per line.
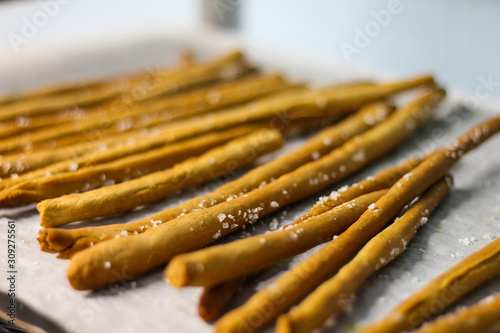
[444, 290]
[329, 297]
[153, 113]
[54, 103]
[476, 318]
[67, 242]
[142, 89]
[295, 283]
[178, 106]
[227, 66]
[88, 269]
[385, 178]
[116, 171]
[143, 190]
[214, 298]
[342, 101]
[68, 87]
[251, 254]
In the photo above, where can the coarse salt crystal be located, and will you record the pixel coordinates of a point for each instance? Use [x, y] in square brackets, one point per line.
[372, 206]
[488, 236]
[274, 224]
[274, 204]
[216, 235]
[107, 265]
[221, 217]
[423, 220]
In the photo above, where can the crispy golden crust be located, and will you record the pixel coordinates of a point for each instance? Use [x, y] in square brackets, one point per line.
[89, 269]
[476, 318]
[444, 290]
[67, 242]
[330, 296]
[143, 190]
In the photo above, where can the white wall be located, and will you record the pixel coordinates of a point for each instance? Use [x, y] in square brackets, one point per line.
[456, 40]
[87, 19]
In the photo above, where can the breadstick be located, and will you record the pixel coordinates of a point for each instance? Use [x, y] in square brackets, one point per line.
[373, 183]
[54, 103]
[214, 298]
[126, 196]
[230, 64]
[227, 66]
[87, 269]
[155, 112]
[67, 87]
[116, 171]
[251, 254]
[297, 282]
[444, 290]
[476, 318]
[342, 101]
[67, 242]
[385, 178]
[329, 297]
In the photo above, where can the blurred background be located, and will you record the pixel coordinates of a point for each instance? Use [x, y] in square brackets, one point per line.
[455, 40]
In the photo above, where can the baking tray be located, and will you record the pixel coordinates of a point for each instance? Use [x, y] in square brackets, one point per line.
[471, 211]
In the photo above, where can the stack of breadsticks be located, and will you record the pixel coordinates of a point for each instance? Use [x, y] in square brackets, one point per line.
[102, 255]
[99, 148]
[354, 217]
[142, 138]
